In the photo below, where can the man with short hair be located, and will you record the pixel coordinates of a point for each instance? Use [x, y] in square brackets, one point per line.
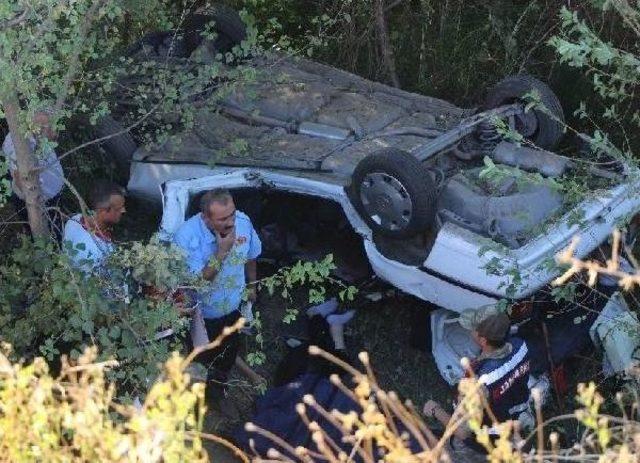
[221, 245]
[51, 177]
[502, 368]
[87, 239]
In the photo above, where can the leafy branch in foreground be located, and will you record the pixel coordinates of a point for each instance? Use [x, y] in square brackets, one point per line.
[315, 274]
[47, 308]
[381, 427]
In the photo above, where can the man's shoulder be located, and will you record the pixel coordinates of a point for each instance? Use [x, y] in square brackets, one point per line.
[243, 220]
[190, 224]
[518, 346]
[74, 232]
[189, 228]
[73, 225]
[518, 354]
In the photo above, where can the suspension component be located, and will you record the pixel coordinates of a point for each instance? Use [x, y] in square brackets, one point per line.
[488, 136]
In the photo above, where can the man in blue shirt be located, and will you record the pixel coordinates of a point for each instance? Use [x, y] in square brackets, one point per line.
[221, 245]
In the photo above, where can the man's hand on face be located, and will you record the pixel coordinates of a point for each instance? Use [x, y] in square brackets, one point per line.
[225, 243]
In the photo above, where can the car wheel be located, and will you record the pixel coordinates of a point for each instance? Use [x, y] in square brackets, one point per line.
[229, 28]
[537, 125]
[394, 193]
[120, 145]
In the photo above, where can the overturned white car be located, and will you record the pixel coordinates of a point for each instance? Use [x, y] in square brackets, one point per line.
[448, 209]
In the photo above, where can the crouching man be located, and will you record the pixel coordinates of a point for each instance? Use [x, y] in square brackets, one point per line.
[87, 240]
[502, 368]
[221, 245]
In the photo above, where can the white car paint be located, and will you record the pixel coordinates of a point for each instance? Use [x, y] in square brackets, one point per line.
[453, 276]
[457, 248]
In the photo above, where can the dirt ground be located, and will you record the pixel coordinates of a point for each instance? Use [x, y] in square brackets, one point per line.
[381, 328]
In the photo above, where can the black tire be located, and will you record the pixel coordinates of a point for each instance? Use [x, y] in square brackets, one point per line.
[549, 130]
[155, 46]
[395, 167]
[119, 147]
[230, 29]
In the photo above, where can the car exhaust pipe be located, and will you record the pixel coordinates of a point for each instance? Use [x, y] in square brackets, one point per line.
[529, 159]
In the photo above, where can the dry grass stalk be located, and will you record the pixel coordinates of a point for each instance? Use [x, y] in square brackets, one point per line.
[384, 428]
[74, 418]
[627, 281]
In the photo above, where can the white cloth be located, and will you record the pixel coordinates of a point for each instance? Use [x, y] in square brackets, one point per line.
[85, 250]
[51, 178]
[198, 329]
[246, 310]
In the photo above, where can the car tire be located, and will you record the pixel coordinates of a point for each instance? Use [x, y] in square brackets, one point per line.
[230, 29]
[229, 26]
[120, 147]
[549, 129]
[394, 193]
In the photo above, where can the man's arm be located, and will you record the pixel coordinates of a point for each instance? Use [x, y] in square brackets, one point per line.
[433, 410]
[211, 270]
[213, 267]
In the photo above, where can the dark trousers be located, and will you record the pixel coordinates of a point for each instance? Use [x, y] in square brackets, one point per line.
[220, 360]
[298, 361]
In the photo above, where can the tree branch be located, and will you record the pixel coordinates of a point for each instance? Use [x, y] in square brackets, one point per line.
[19, 19]
[84, 209]
[101, 139]
[74, 60]
[392, 5]
[26, 163]
[383, 40]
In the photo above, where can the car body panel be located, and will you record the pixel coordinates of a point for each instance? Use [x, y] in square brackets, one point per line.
[177, 193]
[267, 117]
[410, 279]
[456, 248]
[440, 279]
[304, 127]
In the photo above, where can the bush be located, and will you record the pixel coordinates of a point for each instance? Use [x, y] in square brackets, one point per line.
[48, 308]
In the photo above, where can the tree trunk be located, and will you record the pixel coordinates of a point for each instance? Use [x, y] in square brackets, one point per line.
[383, 40]
[26, 162]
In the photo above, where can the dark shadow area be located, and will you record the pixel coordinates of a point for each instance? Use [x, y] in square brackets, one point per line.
[295, 227]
